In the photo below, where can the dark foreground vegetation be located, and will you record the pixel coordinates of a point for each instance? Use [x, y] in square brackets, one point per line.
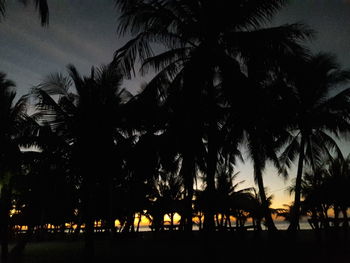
[81, 149]
[196, 247]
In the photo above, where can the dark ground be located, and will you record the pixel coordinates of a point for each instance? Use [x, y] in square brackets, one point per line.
[219, 247]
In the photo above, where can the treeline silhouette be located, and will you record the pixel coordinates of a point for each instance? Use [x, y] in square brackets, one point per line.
[79, 149]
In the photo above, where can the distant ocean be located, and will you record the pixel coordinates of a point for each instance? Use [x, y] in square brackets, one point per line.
[281, 225]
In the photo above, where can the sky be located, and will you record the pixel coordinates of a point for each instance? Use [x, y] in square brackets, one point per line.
[83, 33]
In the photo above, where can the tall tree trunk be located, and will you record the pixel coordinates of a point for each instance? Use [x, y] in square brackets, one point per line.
[171, 221]
[209, 224]
[110, 221]
[216, 220]
[295, 213]
[345, 216]
[314, 218]
[89, 249]
[139, 222]
[229, 221]
[5, 204]
[188, 174]
[222, 220]
[258, 224]
[336, 215]
[200, 217]
[265, 206]
[109, 171]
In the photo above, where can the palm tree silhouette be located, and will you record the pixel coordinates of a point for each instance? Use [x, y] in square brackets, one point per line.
[88, 121]
[179, 27]
[337, 182]
[255, 121]
[187, 142]
[318, 109]
[325, 188]
[166, 199]
[257, 208]
[314, 193]
[13, 118]
[46, 187]
[229, 200]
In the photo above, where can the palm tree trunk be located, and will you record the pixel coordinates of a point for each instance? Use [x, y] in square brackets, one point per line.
[315, 218]
[171, 220]
[222, 219]
[201, 220]
[225, 222]
[265, 206]
[5, 205]
[345, 216]
[216, 220]
[209, 224]
[258, 224]
[139, 222]
[4, 238]
[254, 224]
[89, 240]
[295, 213]
[336, 215]
[89, 250]
[110, 221]
[189, 174]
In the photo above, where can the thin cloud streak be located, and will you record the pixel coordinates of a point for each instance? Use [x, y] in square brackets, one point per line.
[47, 50]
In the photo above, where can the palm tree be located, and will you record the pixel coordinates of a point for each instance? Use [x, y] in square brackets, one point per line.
[229, 33]
[337, 183]
[255, 121]
[46, 187]
[186, 142]
[230, 200]
[167, 196]
[314, 193]
[88, 121]
[257, 208]
[318, 109]
[13, 119]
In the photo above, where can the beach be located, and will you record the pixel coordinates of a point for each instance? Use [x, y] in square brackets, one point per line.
[249, 247]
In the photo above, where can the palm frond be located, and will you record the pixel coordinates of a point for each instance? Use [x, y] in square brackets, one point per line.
[274, 43]
[54, 84]
[165, 59]
[254, 13]
[138, 47]
[288, 155]
[77, 79]
[329, 144]
[2, 8]
[43, 8]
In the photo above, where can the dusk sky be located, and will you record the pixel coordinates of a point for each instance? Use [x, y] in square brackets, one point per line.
[83, 32]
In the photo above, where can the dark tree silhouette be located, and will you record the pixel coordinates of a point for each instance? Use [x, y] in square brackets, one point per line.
[88, 120]
[337, 184]
[318, 108]
[323, 188]
[13, 118]
[202, 56]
